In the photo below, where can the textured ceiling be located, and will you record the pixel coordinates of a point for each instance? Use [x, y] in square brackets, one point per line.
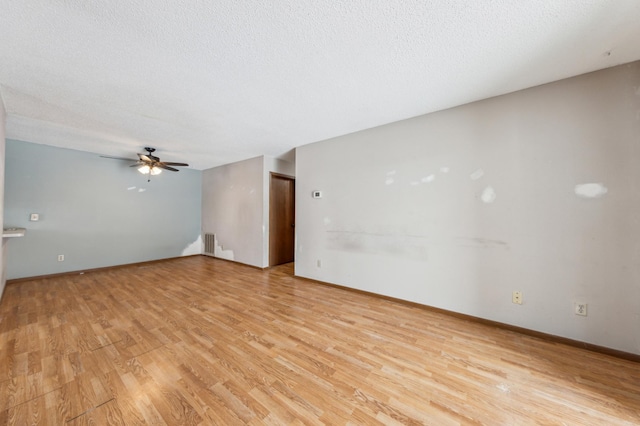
[211, 82]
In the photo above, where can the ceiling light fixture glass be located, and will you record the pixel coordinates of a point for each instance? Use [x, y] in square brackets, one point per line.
[145, 170]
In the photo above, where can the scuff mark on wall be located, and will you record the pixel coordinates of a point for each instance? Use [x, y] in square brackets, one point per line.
[219, 251]
[131, 188]
[590, 190]
[389, 181]
[142, 189]
[477, 174]
[488, 195]
[404, 246]
[482, 242]
[195, 247]
[414, 247]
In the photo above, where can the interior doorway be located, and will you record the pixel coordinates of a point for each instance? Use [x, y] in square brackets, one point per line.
[282, 214]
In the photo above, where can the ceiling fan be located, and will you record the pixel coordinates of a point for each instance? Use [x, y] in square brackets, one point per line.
[148, 164]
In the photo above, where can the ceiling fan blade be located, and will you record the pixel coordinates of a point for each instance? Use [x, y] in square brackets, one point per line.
[170, 163]
[164, 166]
[118, 158]
[138, 163]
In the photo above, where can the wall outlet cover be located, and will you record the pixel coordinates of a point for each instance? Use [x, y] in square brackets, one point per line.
[516, 297]
[580, 308]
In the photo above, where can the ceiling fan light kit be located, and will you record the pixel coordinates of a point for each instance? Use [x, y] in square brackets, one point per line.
[150, 165]
[145, 170]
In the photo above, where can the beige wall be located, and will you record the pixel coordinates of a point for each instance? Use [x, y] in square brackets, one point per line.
[459, 208]
[235, 207]
[232, 210]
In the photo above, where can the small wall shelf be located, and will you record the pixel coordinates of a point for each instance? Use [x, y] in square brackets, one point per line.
[13, 232]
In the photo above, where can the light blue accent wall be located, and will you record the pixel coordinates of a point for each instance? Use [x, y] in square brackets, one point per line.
[97, 212]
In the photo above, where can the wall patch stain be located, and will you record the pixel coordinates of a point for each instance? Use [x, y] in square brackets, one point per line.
[389, 181]
[444, 169]
[141, 189]
[488, 195]
[590, 190]
[477, 174]
[428, 179]
[414, 183]
[391, 173]
[218, 251]
[327, 221]
[195, 247]
[131, 188]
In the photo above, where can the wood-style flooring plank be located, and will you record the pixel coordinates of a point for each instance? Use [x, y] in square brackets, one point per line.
[200, 341]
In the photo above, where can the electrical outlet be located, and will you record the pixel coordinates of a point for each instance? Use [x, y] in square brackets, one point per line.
[61, 258]
[516, 297]
[34, 217]
[580, 309]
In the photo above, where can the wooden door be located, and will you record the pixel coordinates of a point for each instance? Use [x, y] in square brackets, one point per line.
[282, 215]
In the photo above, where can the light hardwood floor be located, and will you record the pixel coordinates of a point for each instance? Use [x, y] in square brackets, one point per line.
[204, 341]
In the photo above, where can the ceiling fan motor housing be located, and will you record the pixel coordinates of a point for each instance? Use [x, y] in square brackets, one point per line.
[150, 151]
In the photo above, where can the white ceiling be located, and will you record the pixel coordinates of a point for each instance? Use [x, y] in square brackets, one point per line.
[212, 82]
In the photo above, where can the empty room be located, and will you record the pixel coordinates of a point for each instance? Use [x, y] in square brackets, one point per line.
[320, 212]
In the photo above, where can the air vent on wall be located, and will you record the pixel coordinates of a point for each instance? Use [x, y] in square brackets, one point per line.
[209, 244]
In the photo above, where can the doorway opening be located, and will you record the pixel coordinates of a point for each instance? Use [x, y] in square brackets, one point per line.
[282, 214]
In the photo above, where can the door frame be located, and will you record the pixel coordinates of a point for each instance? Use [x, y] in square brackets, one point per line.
[271, 212]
